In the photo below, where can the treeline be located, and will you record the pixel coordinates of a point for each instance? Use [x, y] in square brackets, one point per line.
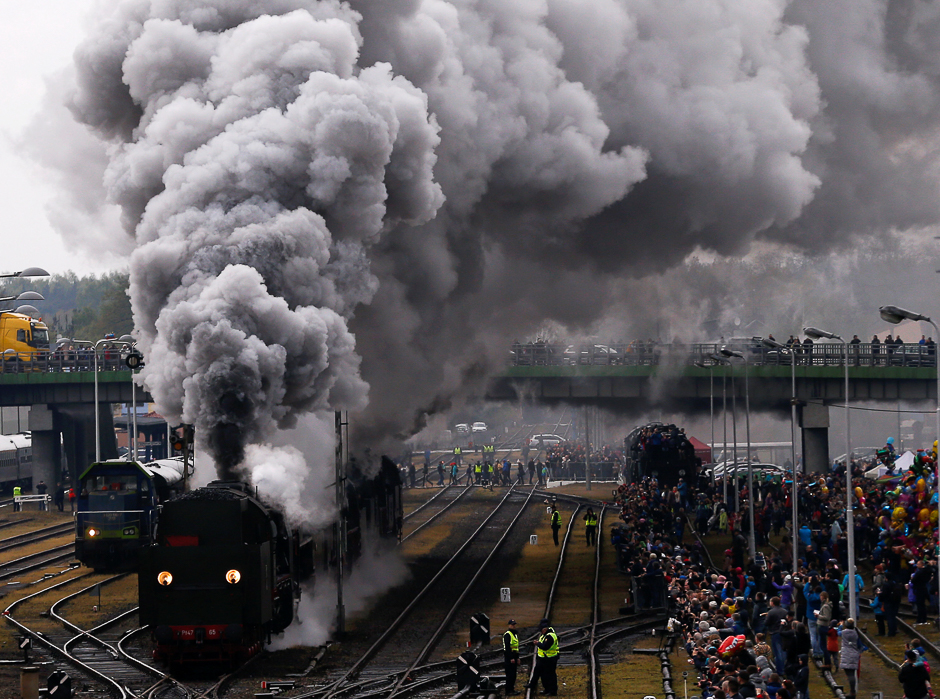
[79, 308]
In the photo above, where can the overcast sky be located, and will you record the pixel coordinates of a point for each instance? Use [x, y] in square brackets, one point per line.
[35, 41]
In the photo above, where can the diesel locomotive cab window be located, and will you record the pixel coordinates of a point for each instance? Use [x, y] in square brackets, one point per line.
[113, 483]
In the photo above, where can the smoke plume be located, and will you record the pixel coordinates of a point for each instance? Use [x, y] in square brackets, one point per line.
[359, 204]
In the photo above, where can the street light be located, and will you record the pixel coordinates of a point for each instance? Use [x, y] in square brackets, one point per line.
[773, 344]
[724, 425]
[28, 272]
[711, 398]
[816, 334]
[752, 541]
[129, 341]
[125, 339]
[894, 315]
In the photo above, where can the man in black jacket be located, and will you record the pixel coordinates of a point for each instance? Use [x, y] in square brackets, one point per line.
[913, 676]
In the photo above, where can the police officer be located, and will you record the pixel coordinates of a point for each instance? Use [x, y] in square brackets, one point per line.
[17, 491]
[511, 657]
[556, 523]
[546, 661]
[478, 472]
[590, 527]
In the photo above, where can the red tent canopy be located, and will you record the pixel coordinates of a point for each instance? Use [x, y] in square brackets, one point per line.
[702, 450]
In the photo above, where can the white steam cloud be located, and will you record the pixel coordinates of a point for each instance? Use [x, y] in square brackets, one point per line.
[376, 571]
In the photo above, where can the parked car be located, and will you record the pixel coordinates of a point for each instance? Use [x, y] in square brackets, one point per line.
[759, 470]
[462, 428]
[479, 427]
[545, 440]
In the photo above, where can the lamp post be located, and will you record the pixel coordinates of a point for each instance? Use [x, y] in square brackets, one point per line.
[724, 424]
[752, 541]
[894, 315]
[711, 401]
[28, 272]
[773, 344]
[129, 341]
[125, 340]
[815, 334]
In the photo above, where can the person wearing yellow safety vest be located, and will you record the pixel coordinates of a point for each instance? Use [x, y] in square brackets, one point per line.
[546, 661]
[590, 527]
[511, 657]
[17, 491]
[458, 453]
[556, 523]
[478, 472]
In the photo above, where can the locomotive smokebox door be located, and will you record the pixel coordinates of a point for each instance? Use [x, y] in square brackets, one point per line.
[480, 629]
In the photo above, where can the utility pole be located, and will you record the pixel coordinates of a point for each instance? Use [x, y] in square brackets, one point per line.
[341, 525]
[587, 447]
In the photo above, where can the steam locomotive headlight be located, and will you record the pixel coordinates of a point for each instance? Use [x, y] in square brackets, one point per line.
[165, 578]
[93, 532]
[233, 576]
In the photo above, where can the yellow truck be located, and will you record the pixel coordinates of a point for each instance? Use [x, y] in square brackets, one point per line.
[23, 338]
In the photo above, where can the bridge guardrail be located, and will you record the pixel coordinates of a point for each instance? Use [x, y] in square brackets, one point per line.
[645, 354]
[59, 361]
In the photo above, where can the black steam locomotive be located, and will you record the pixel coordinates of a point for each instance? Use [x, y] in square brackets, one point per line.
[225, 569]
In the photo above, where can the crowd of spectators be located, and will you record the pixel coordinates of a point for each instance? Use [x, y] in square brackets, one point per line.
[784, 614]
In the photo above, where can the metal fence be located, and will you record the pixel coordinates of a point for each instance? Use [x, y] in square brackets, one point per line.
[758, 354]
[63, 361]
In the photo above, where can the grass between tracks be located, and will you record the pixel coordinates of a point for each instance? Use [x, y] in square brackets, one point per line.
[30, 520]
[44, 545]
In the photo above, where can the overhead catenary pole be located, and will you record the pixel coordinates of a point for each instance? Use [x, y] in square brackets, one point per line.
[794, 492]
[895, 315]
[587, 447]
[816, 333]
[341, 525]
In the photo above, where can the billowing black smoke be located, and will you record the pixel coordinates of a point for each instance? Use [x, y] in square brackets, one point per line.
[360, 204]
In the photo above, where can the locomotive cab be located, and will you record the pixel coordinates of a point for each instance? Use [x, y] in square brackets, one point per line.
[219, 579]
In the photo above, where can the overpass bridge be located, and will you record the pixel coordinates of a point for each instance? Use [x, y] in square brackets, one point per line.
[60, 388]
[60, 392]
[683, 379]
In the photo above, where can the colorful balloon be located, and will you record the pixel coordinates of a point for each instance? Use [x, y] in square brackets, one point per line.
[731, 645]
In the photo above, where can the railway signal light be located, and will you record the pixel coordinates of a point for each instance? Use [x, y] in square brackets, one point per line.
[134, 360]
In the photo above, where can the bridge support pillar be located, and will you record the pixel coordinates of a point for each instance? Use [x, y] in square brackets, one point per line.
[814, 428]
[46, 445]
[78, 431]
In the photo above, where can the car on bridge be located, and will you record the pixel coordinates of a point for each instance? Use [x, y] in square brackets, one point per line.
[479, 427]
[591, 354]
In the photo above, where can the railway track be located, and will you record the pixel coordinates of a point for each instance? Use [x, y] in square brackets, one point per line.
[13, 542]
[440, 506]
[396, 648]
[103, 655]
[34, 561]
